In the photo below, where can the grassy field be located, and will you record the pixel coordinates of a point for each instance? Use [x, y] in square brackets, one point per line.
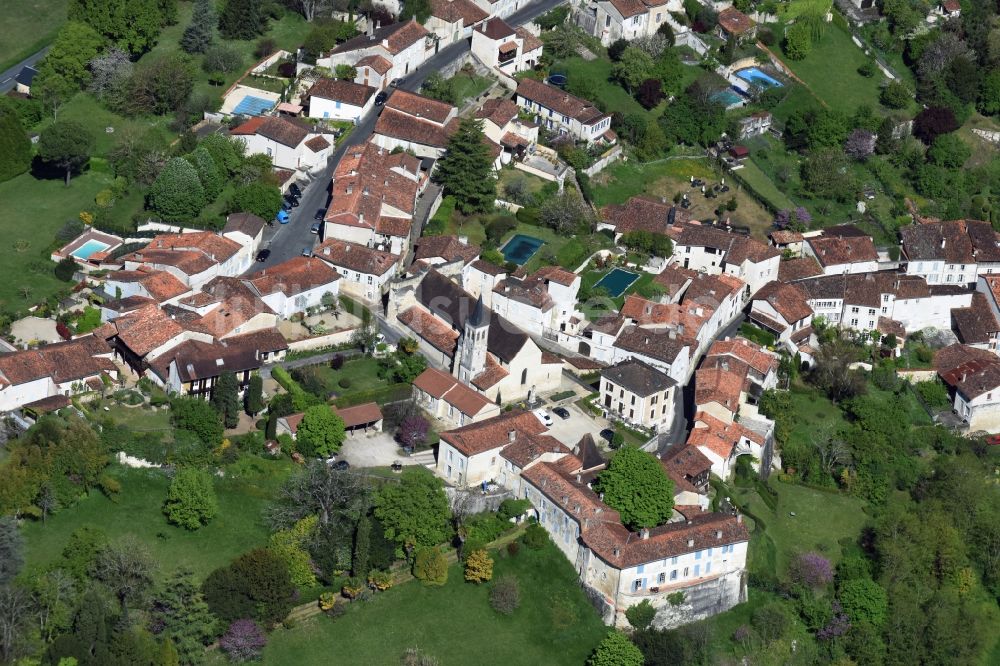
[138, 511]
[764, 186]
[455, 623]
[607, 95]
[87, 111]
[29, 25]
[363, 374]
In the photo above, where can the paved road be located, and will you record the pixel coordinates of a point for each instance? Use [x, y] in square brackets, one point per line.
[289, 240]
[7, 77]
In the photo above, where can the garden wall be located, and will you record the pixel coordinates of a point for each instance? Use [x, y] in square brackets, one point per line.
[612, 155]
[917, 376]
[319, 341]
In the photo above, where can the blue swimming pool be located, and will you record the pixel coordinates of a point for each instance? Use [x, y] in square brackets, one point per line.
[727, 98]
[90, 247]
[520, 248]
[253, 106]
[758, 78]
[617, 281]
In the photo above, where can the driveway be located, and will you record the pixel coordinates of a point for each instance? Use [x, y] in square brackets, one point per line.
[570, 431]
[373, 449]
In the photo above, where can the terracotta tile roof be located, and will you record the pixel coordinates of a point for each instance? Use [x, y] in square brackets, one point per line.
[245, 223]
[160, 285]
[491, 376]
[951, 6]
[448, 248]
[441, 385]
[358, 415]
[971, 371]
[376, 62]
[686, 460]
[638, 377]
[720, 384]
[488, 268]
[734, 21]
[993, 286]
[791, 270]
[975, 324]
[789, 300]
[356, 257]
[238, 304]
[801, 334]
[295, 276]
[684, 318]
[496, 29]
[954, 242]
[439, 334]
[735, 248]
[531, 43]
[120, 305]
[493, 433]
[421, 107]
[146, 329]
[559, 101]
[394, 38]
[629, 8]
[73, 360]
[888, 326]
[579, 501]
[832, 251]
[644, 214]
[191, 253]
[548, 358]
[557, 275]
[398, 125]
[761, 360]
[710, 431]
[356, 94]
[452, 11]
[195, 359]
[498, 111]
[46, 405]
[276, 128]
[525, 449]
[367, 182]
[585, 363]
[784, 236]
[317, 144]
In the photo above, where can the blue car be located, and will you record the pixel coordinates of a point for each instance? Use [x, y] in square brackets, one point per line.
[282, 217]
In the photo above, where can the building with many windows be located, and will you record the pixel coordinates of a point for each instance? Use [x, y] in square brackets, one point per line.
[638, 394]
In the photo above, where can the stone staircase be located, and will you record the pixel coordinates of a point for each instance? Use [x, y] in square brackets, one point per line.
[425, 458]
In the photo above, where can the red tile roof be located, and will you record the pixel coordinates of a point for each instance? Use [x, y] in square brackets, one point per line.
[734, 21]
[789, 300]
[452, 11]
[394, 38]
[295, 276]
[74, 360]
[358, 415]
[832, 251]
[493, 433]
[419, 106]
[440, 335]
[277, 128]
[559, 101]
[356, 94]
[397, 125]
[441, 385]
[160, 285]
[146, 329]
[369, 180]
[355, 257]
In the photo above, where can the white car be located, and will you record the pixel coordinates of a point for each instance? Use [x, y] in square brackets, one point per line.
[543, 416]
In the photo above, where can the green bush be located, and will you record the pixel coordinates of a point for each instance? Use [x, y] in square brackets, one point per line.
[535, 537]
[344, 382]
[65, 269]
[512, 508]
[641, 615]
[430, 567]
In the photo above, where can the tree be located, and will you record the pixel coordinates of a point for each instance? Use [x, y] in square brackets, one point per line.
[860, 144]
[636, 485]
[933, 122]
[832, 371]
[66, 144]
[694, 118]
[826, 174]
[179, 608]
[226, 399]
[255, 585]
[362, 547]
[15, 146]
[478, 567]
[318, 489]
[567, 213]
[418, 10]
[415, 510]
[126, 567]
[811, 569]
[191, 501]
[15, 614]
[466, 170]
[771, 621]
[254, 396]
[365, 336]
[68, 59]
[259, 198]
[242, 19]
[633, 67]
[211, 178]
[291, 544]
[895, 95]
[617, 48]
[949, 151]
[222, 59]
[616, 650]
[430, 566]
[650, 93]
[321, 432]
[798, 41]
[413, 431]
[562, 41]
[826, 129]
[200, 33]
[198, 417]
[111, 74]
[244, 640]
[989, 93]
[131, 24]
[177, 195]
[865, 601]
[831, 450]
[161, 86]
[11, 550]
[640, 615]
[345, 72]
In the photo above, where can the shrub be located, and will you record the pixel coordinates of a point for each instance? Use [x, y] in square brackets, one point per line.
[811, 569]
[243, 641]
[430, 567]
[641, 615]
[344, 383]
[337, 362]
[512, 508]
[380, 580]
[65, 269]
[478, 567]
[505, 595]
[513, 548]
[535, 537]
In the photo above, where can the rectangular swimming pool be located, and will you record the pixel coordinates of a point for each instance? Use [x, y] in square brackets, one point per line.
[253, 106]
[616, 281]
[90, 247]
[520, 248]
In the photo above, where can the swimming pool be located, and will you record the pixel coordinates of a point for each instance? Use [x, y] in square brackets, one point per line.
[520, 248]
[758, 78]
[253, 106]
[727, 98]
[90, 247]
[617, 281]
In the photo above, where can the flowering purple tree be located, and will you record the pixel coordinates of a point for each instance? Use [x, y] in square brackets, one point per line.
[413, 431]
[811, 569]
[243, 641]
[860, 144]
[802, 216]
[838, 625]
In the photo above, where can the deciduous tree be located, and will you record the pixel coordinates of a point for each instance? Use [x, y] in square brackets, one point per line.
[255, 585]
[191, 501]
[68, 59]
[198, 417]
[415, 510]
[636, 485]
[243, 641]
[126, 567]
[478, 567]
[798, 41]
[616, 650]
[242, 19]
[131, 24]
[66, 144]
[261, 199]
[177, 195]
[11, 550]
[430, 566]
[321, 432]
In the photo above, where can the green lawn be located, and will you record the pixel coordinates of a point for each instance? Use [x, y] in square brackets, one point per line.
[763, 186]
[814, 412]
[86, 110]
[606, 94]
[238, 528]
[466, 87]
[362, 373]
[623, 180]
[29, 25]
[831, 72]
[455, 623]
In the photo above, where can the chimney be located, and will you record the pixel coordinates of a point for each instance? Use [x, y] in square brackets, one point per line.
[725, 366]
[943, 240]
[672, 334]
[579, 478]
[963, 376]
[690, 543]
[680, 329]
[644, 533]
[511, 435]
[739, 518]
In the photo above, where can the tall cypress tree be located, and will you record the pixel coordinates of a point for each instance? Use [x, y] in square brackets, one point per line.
[226, 399]
[242, 19]
[466, 170]
[362, 547]
[255, 395]
[200, 32]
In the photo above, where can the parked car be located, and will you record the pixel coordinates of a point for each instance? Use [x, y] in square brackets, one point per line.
[286, 205]
[608, 434]
[307, 251]
[543, 416]
[294, 190]
[320, 214]
[395, 83]
[263, 254]
[381, 98]
[342, 465]
[561, 412]
[282, 216]
[292, 199]
[315, 227]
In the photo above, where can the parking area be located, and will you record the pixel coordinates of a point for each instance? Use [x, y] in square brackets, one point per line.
[569, 431]
[373, 449]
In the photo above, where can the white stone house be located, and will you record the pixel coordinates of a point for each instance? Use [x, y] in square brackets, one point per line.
[295, 285]
[412, 122]
[340, 100]
[451, 401]
[454, 20]
[562, 112]
[973, 380]
[405, 45]
[499, 46]
[638, 394]
[842, 254]
[953, 252]
[365, 272]
[289, 144]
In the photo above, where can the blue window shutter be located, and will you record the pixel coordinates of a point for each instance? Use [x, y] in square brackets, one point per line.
[697, 555]
[641, 568]
[708, 567]
[644, 583]
[697, 569]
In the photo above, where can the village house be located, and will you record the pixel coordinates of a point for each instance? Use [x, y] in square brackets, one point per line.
[59, 369]
[801, 268]
[500, 8]
[404, 45]
[973, 380]
[295, 285]
[373, 70]
[363, 418]
[503, 126]
[787, 241]
[543, 303]
[440, 250]
[373, 198]
[715, 300]
[671, 350]
[755, 124]
[955, 252]
[366, 272]
[783, 310]
[564, 113]
[246, 229]
[412, 122]
[453, 20]
[480, 277]
[291, 144]
[977, 325]
[638, 394]
[449, 400]
[498, 46]
[734, 24]
[193, 258]
[722, 442]
[713, 250]
[156, 285]
[340, 100]
[842, 254]
[654, 216]
[611, 20]
[687, 465]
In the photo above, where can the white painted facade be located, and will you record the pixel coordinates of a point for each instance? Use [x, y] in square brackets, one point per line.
[320, 107]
